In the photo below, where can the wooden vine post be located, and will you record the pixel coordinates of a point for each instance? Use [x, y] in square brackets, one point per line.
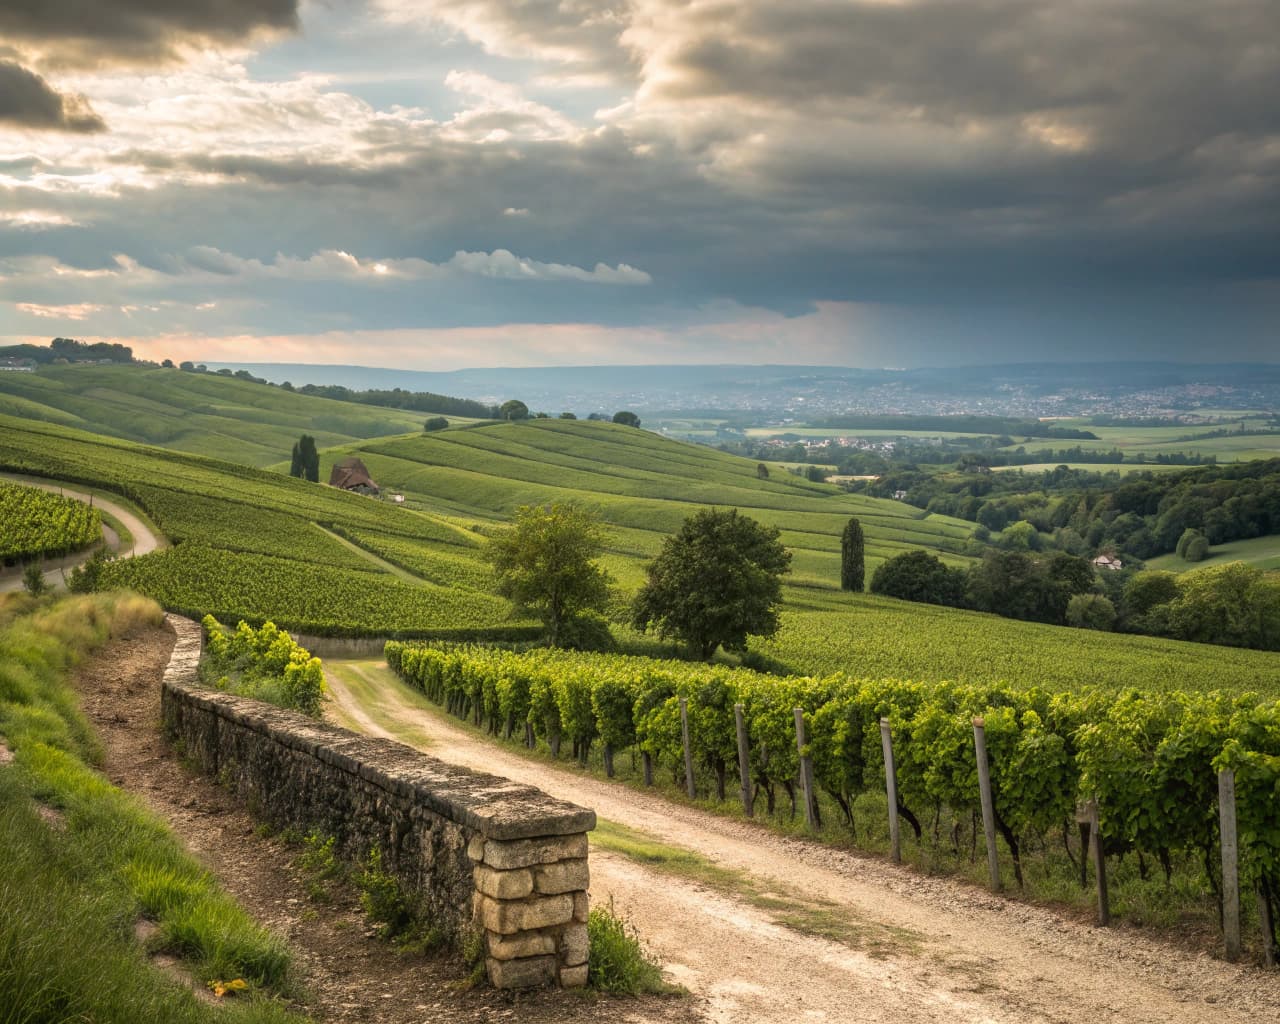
[1268, 927]
[744, 758]
[891, 791]
[988, 806]
[1087, 817]
[688, 750]
[806, 772]
[1230, 863]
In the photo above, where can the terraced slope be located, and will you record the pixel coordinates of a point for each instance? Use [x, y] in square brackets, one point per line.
[207, 414]
[260, 545]
[644, 485]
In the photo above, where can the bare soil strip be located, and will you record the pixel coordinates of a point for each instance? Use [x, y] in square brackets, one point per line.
[345, 973]
[973, 956]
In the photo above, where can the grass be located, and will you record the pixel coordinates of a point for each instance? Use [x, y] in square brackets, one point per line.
[784, 905]
[75, 881]
[201, 413]
[618, 960]
[1260, 552]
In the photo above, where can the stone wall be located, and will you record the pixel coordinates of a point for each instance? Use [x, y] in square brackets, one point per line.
[474, 850]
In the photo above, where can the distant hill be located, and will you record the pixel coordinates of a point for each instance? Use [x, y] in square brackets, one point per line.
[208, 414]
[809, 392]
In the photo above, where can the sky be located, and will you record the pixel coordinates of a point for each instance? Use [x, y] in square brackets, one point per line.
[438, 184]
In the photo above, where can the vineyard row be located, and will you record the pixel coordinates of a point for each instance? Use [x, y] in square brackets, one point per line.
[1150, 761]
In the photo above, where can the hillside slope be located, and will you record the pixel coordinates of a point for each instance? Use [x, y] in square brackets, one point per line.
[208, 414]
[643, 485]
[261, 545]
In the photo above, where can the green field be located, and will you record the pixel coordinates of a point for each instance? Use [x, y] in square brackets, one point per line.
[1092, 467]
[263, 545]
[1260, 552]
[644, 486]
[207, 414]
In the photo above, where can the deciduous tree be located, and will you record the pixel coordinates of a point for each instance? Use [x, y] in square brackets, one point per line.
[544, 562]
[715, 582]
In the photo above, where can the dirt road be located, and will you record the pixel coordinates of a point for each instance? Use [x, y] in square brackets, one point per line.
[934, 950]
[144, 538]
[344, 974]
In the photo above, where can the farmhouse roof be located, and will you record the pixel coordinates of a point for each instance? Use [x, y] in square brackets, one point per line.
[350, 473]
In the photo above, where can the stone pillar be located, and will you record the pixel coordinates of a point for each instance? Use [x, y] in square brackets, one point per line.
[531, 903]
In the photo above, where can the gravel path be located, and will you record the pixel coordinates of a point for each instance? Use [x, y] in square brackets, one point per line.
[144, 539]
[965, 955]
[345, 973]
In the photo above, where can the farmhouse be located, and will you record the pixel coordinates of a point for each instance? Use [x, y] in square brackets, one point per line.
[350, 474]
[1108, 562]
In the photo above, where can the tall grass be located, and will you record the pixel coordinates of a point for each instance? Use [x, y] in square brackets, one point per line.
[74, 883]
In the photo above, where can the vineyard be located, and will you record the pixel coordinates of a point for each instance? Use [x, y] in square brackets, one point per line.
[264, 663]
[1150, 761]
[207, 414]
[37, 524]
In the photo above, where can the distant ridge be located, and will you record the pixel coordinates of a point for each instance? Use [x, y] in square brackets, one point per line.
[739, 386]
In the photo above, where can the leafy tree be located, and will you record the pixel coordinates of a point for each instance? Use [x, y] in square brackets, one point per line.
[513, 409]
[597, 416]
[568, 416]
[853, 567]
[544, 563]
[716, 581]
[33, 579]
[919, 576]
[627, 419]
[305, 461]
[167, 364]
[816, 474]
[1091, 611]
[435, 423]
[762, 471]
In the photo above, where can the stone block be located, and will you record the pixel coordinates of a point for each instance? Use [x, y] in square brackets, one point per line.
[504, 885]
[523, 853]
[528, 972]
[574, 945]
[475, 848]
[522, 944]
[573, 977]
[581, 907]
[509, 917]
[563, 876]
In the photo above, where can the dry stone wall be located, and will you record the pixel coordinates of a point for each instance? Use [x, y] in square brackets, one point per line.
[475, 850]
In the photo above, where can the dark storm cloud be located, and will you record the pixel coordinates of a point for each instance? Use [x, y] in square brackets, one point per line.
[28, 101]
[105, 31]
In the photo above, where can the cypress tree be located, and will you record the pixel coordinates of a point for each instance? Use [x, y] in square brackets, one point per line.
[305, 461]
[852, 561]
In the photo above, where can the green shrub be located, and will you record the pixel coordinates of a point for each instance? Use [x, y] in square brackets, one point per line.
[618, 961]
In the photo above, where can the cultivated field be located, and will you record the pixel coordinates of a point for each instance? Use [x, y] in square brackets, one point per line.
[207, 414]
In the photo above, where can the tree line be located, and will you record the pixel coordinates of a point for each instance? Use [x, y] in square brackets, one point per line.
[1233, 604]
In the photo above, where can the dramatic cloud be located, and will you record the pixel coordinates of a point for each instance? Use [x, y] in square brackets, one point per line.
[1036, 176]
[93, 32]
[28, 100]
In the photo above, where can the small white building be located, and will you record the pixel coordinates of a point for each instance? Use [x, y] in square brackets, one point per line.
[1108, 562]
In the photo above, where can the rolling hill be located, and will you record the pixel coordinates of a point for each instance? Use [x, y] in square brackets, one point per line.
[208, 414]
[261, 545]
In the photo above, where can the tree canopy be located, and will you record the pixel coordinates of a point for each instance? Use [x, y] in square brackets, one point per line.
[544, 563]
[715, 582]
[628, 419]
[305, 460]
[853, 567]
[513, 409]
